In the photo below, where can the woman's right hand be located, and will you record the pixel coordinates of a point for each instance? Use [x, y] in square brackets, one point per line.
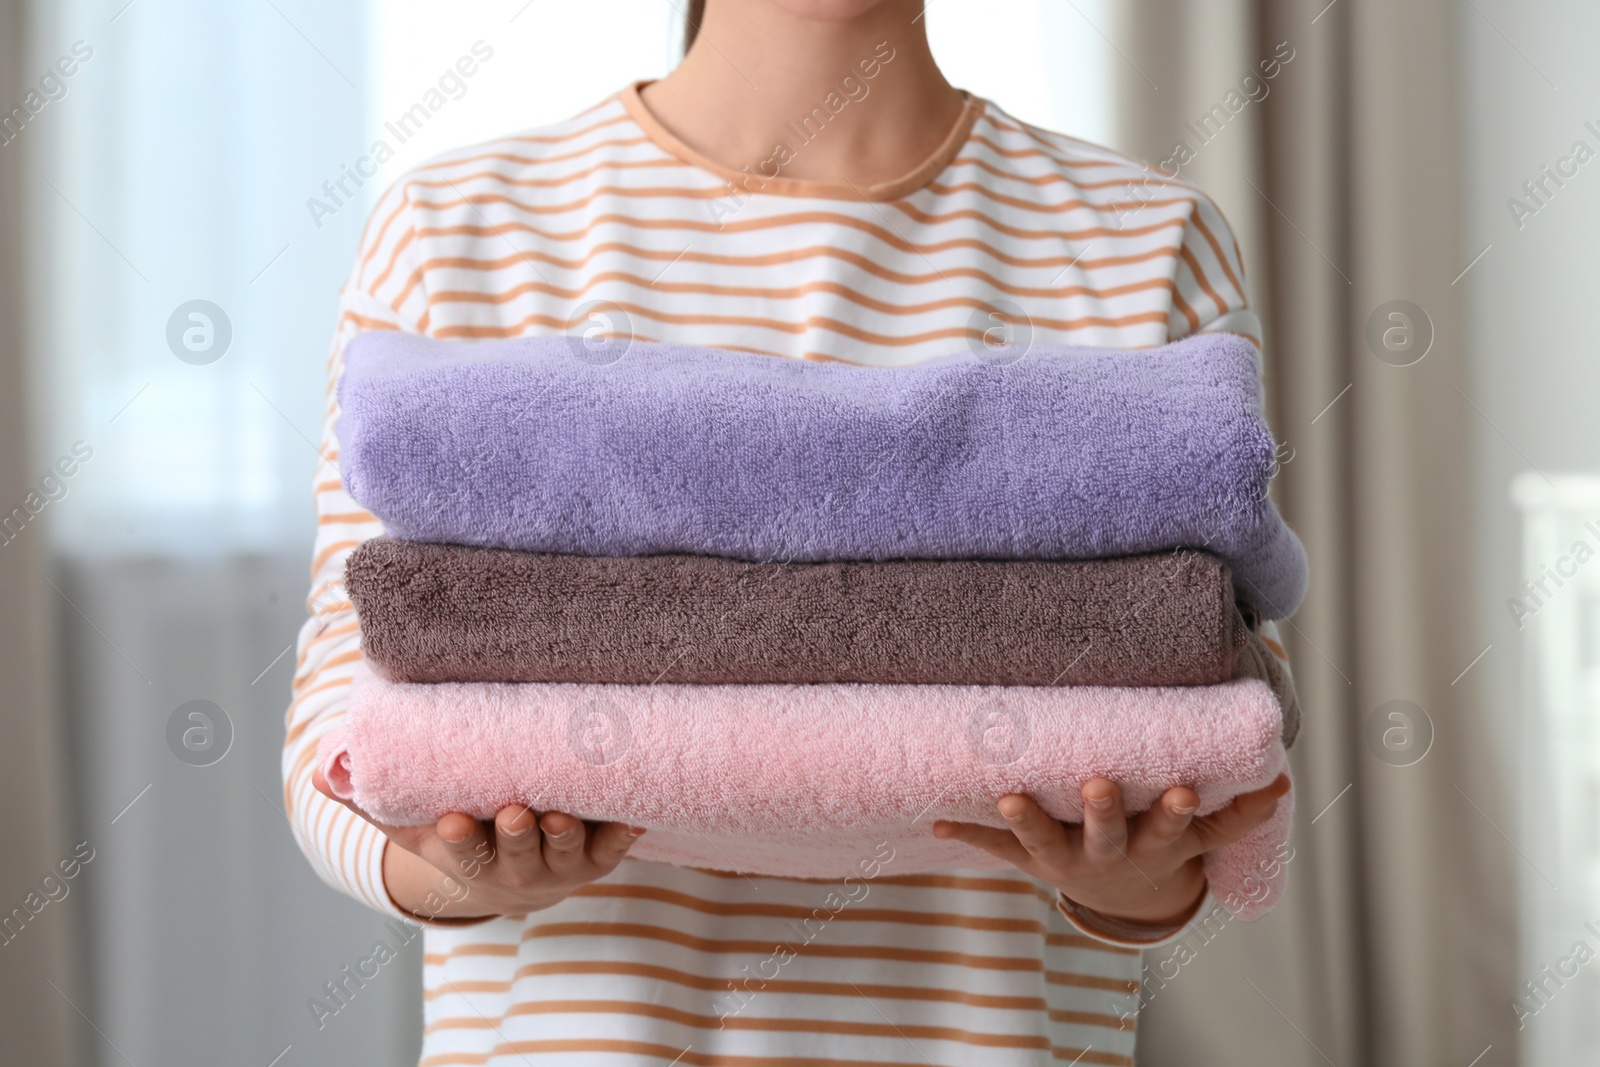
[460, 868]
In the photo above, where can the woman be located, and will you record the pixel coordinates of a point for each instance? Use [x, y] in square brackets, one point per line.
[805, 184]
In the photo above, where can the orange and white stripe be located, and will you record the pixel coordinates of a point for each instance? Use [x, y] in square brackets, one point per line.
[509, 239]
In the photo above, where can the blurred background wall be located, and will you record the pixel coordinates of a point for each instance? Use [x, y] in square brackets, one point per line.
[34, 785]
[163, 578]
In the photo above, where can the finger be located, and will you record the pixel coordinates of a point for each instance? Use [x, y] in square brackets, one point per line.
[410, 838]
[519, 856]
[464, 843]
[564, 838]
[1248, 811]
[610, 842]
[1105, 824]
[1045, 838]
[1002, 843]
[517, 844]
[515, 835]
[1166, 822]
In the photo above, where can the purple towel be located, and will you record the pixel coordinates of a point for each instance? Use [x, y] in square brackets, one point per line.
[545, 445]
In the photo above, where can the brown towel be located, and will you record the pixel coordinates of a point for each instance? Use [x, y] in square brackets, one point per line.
[450, 613]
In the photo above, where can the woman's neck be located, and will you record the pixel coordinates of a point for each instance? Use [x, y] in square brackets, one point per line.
[857, 100]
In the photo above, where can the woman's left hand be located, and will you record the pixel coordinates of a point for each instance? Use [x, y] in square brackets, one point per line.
[1146, 869]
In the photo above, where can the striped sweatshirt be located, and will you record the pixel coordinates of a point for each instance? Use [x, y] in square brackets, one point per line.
[607, 222]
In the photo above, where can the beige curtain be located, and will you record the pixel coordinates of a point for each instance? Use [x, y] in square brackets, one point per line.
[1394, 947]
[37, 1021]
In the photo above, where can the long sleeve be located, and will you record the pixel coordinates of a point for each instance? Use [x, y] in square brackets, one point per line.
[1209, 291]
[344, 850]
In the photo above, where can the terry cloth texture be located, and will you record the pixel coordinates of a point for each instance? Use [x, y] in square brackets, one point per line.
[1056, 452]
[451, 613]
[804, 780]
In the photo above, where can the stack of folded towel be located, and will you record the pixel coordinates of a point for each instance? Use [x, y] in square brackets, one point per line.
[787, 614]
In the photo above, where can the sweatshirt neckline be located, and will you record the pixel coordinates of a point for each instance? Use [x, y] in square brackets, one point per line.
[752, 181]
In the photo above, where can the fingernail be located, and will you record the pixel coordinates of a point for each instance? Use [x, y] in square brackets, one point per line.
[1183, 809]
[636, 831]
[512, 831]
[1099, 803]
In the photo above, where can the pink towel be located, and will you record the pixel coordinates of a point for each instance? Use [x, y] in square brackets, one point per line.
[811, 780]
